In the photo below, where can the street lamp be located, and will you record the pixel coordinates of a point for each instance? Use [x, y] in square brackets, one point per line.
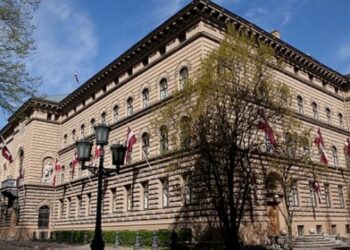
[84, 154]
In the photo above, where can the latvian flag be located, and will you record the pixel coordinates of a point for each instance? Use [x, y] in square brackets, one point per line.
[6, 154]
[56, 170]
[265, 126]
[347, 147]
[98, 151]
[130, 141]
[321, 148]
[74, 162]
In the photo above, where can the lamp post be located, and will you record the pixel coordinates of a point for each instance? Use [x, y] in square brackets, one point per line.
[84, 154]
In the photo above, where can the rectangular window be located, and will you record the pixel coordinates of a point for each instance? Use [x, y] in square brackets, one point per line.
[341, 196]
[113, 202]
[312, 194]
[300, 230]
[128, 198]
[334, 229]
[327, 195]
[165, 193]
[318, 229]
[145, 196]
[78, 206]
[68, 208]
[188, 189]
[294, 196]
[347, 228]
[88, 204]
[61, 208]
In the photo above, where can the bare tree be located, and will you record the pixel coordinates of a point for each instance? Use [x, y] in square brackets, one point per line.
[217, 117]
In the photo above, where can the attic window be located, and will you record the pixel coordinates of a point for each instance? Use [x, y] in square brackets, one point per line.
[182, 37]
[83, 103]
[93, 96]
[311, 77]
[49, 116]
[162, 50]
[104, 89]
[130, 71]
[296, 70]
[145, 61]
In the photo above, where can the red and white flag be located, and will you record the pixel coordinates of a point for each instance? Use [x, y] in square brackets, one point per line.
[6, 153]
[317, 189]
[265, 126]
[320, 144]
[130, 141]
[98, 151]
[56, 170]
[347, 147]
[74, 162]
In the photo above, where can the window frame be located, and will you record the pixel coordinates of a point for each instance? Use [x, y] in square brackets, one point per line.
[145, 98]
[163, 88]
[130, 106]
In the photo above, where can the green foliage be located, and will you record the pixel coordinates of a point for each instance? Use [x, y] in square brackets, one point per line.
[127, 237]
[16, 44]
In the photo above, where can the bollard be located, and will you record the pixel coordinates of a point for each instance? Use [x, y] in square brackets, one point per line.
[137, 242]
[154, 241]
[85, 238]
[116, 241]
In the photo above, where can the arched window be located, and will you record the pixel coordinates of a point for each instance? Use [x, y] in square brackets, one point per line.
[65, 139]
[163, 139]
[341, 120]
[116, 113]
[300, 105]
[92, 126]
[163, 86]
[82, 131]
[103, 117]
[74, 135]
[129, 105]
[145, 145]
[145, 98]
[183, 77]
[44, 217]
[185, 132]
[329, 116]
[315, 110]
[335, 156]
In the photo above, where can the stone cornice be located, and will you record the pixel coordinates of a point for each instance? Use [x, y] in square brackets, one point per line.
[221, 16]
[206, 11]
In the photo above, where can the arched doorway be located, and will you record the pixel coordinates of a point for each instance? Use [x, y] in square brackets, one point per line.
[44, 217]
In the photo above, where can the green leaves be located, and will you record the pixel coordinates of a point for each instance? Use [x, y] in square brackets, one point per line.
[16, 44]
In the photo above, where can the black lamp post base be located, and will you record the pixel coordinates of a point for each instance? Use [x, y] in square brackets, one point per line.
[97, 244]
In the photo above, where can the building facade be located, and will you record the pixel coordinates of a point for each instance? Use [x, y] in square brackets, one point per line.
[126, 94]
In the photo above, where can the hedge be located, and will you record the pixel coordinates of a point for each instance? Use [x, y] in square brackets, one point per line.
[166, 238]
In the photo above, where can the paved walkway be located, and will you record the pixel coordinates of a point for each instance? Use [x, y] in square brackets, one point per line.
[28, 245]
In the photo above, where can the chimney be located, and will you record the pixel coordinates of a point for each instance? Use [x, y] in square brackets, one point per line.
[276, 34]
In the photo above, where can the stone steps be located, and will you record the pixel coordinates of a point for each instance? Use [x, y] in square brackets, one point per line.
[314, 242]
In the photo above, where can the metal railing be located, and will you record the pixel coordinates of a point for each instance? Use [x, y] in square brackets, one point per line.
[9, 183]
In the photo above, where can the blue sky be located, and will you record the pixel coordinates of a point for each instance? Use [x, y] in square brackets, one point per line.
[86, 35]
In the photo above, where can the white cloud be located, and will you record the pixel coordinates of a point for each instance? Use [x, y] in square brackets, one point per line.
[344, 52]
[65, 41]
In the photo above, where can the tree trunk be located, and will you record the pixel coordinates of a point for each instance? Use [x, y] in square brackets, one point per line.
[290, 236]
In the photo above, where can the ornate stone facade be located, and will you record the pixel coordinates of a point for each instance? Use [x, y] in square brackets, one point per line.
[125, 93]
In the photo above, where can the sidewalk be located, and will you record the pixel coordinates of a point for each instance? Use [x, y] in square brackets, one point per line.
[26, 245]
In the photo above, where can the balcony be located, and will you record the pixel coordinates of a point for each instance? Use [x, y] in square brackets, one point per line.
[9, 188]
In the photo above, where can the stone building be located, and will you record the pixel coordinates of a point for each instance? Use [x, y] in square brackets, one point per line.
[125, 93]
